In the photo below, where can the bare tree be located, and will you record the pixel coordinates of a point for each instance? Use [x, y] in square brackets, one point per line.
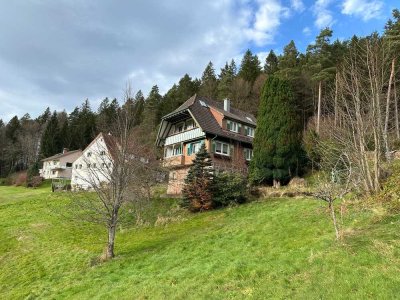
[121, 172]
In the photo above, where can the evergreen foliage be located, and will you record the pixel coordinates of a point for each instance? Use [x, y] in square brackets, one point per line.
[229, 188]
[51, 141]
[278, 153]
[199, 183]
[209, 82]
[250, 67]
[271, 63]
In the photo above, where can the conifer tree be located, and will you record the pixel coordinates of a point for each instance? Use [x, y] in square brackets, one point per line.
[278, 153]
[12, 129]
[50, 143]
[271, 63]
[249, 67]
[209, 82]
[226, 77]
[199, 183]
[151, 115]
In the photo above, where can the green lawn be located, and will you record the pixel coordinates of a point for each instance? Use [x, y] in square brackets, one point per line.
[268, 249]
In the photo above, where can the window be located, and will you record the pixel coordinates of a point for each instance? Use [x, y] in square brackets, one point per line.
[94, 165]
[189, 124]
[109, 165]
[221, 148]
[54, 162]
[173, 150]
[76, 166]
[102, 153]
[248, 153]
[249, 131]
[89, 154]
[179, 127]
[88, 166]
[173, 175]
[54, 172]
[69, 165]
[193, 148]
[233, 126]
[80, 166]
[103, 165]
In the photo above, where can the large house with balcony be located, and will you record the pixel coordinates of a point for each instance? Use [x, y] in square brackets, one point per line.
[59, 165]
[226, 132]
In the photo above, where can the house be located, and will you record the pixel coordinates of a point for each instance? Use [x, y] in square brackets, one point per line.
[226, 132]
[95, 164]
[59, 165]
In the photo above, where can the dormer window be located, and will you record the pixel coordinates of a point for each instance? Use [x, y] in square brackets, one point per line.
[249, 131]
[232, 126]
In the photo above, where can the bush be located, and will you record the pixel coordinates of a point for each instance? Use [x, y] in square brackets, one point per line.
[20, 179]
[35, 181]
[229, 188]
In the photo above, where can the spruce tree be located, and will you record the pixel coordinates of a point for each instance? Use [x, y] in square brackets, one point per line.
[271, 63]
[249, 67]
[226, 77]
[209, 82]
[51, 143]
[151, 115]
[278, 153]
[199, 183]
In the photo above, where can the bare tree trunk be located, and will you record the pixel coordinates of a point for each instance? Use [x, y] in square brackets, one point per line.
[389, 92]
[332, 209]
[396, 110]
[111, 239]
[319, 105]
[336, 98]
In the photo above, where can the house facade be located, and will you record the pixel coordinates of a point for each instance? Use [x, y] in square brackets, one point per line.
[95, 164]
[226, 132]
[59, 165]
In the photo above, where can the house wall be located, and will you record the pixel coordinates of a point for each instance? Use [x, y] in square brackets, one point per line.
[47, 171]
[83, 176]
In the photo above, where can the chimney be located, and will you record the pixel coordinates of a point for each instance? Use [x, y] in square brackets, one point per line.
[227, 105]
[65, 150]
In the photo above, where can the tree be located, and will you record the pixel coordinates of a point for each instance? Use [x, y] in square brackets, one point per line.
[51, 142]
[249, 67]
[322, 65]
[209, 82]
[121, 179]
[151, 115]
[226, 77]
[12, 128]
[199, 183]
[271, 63]
[278, 154]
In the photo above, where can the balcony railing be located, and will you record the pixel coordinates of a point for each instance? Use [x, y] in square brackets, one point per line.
[184, 136]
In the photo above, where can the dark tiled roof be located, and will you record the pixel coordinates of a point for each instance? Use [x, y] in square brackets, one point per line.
[208, 123]
[59, 155]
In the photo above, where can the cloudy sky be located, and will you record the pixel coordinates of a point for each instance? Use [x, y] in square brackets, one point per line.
[58, 53]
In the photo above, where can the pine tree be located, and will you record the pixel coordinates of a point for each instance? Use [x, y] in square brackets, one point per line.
[209, 82]
[278, 153]
[271, 63]
[199, 183]
[151, 116]
[226, 77]
[249, 67]
[12, 129]
[51, 143]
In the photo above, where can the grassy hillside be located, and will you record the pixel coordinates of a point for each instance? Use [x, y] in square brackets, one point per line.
[268, 249]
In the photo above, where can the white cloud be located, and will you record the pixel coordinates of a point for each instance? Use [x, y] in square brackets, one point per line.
[297, 5]
[267, 19]
[365, 9]
[306, 31]
[324, 16]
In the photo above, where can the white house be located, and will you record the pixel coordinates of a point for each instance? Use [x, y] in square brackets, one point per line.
[59, 165]
[95, 164]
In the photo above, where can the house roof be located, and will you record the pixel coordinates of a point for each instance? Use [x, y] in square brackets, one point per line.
[199, 108]
[59, 155]
[109, 140]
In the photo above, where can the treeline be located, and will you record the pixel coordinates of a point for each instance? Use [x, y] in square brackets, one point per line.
[313, 77]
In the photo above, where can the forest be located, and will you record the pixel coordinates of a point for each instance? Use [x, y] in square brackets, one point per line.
[344, 94]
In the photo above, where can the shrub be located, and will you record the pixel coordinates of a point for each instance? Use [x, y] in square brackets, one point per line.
[35, 181]
[229, 188]
[20, 179]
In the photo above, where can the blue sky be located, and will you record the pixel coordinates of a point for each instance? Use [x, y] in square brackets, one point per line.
[58, 53]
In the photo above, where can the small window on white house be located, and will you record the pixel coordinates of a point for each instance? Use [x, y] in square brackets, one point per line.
[109, 165]
[89, 154]
[88, 166]
[248, 153]
[76, 166]
[102, 152]
[103, 165]
[68, 165]
[54, 172]
[80, 166]
[94, 165]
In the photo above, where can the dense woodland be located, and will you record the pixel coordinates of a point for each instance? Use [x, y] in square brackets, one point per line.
[323, 82]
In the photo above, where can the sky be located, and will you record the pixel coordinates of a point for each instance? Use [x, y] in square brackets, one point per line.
[58, 53]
